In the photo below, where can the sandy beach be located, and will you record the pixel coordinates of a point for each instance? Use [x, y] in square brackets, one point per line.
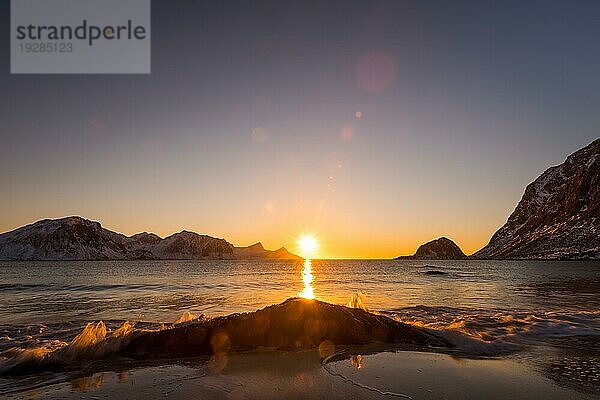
[302, 375]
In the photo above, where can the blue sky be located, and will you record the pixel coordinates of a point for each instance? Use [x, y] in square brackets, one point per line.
[462, 104]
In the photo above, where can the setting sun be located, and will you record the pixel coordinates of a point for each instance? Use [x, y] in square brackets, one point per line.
[308, 245]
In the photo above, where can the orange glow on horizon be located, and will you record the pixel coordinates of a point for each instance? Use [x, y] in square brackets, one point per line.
[336, 237]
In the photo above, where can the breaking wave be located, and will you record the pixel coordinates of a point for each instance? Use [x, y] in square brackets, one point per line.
[294, 324]
[496, 330]
[94, 342]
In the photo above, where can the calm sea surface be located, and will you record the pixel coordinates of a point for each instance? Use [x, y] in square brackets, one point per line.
[489, 299]
[543, 313]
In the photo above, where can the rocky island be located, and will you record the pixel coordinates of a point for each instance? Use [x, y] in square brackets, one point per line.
[438, 249]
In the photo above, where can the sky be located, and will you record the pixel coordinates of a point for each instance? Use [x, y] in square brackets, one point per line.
[374, 126]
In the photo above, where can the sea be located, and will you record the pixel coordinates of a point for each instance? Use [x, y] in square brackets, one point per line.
[543, 312]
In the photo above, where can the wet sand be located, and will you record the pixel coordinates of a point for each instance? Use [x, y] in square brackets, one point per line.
[302, 375]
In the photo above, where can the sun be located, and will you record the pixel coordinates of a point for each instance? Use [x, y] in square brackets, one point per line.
[308, 245]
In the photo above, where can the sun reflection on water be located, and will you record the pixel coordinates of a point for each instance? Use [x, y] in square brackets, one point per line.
[307, 278]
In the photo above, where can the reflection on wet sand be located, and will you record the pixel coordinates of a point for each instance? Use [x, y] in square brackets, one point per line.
[97, 380]
[431, 376]
[124, 377]
[357, 361]
[573, 363]
[87, 383]
[366, 372]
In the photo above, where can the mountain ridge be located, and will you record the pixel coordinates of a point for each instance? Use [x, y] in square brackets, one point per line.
[78, 238]
[558, 216]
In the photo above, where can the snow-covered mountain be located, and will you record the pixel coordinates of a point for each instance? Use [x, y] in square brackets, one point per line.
[558, 216]
[438, 249]
[76, 238]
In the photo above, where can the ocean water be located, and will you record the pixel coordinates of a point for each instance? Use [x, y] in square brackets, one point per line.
[495, 308]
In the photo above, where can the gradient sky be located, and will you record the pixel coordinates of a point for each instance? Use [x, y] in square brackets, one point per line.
[248, 129]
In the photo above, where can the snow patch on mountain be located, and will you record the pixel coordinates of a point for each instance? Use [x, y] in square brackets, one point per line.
[76, 238]
[558, 216]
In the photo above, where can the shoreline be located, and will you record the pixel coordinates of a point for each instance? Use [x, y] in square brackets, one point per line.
[352, 373]
[554, 336]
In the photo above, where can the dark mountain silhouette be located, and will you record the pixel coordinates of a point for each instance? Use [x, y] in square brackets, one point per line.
[439, 249]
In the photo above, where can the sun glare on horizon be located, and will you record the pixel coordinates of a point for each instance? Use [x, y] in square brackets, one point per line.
[308, 245]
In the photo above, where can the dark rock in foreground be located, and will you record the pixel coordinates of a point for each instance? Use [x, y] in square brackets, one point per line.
[295, 324]
[291, 325]
[439, 249]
